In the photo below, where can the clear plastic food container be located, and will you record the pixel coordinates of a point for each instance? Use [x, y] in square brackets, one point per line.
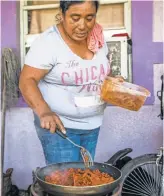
[123, 94]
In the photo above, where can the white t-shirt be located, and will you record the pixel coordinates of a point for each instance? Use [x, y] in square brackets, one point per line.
[71, 87]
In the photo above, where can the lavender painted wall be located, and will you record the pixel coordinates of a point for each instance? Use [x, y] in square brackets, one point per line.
[10, 28]
[121, 128]
[145, 51]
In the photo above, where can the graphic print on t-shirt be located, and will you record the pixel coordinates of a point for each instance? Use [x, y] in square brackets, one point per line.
[88, 78]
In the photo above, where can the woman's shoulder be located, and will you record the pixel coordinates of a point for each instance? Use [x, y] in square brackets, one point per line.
[47, 40]
[49, 35]
[50, 30]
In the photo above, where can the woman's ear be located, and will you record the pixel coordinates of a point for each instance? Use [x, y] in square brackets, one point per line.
[59, 17]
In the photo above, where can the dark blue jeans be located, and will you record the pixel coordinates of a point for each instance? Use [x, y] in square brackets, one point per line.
[57, 149]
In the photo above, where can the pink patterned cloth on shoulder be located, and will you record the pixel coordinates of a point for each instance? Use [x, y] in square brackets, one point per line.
[95, 38]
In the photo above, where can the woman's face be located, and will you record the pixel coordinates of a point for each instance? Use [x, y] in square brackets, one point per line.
[79, 20]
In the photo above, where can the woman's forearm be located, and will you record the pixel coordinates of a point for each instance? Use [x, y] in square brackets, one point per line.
[33, 96]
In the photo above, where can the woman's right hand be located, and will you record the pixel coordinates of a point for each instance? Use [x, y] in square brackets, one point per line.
[51, 121]
[28, 84]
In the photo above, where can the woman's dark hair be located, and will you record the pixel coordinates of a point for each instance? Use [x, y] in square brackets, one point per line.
[64, 5]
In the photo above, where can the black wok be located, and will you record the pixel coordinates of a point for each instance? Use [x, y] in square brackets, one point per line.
[77, 191]
[89, 190]
[86, 190]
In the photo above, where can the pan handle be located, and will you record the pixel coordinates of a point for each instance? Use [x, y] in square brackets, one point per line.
[118, 155]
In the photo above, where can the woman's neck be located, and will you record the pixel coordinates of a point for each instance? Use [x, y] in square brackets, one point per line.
[79, 48]
[66, 36]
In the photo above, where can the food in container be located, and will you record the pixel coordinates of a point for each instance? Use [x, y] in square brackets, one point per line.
[123, 94]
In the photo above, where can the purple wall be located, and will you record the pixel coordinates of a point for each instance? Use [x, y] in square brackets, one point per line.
[145, 52]
[10, 28]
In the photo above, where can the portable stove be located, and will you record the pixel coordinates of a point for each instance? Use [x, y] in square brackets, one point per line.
[36, 190]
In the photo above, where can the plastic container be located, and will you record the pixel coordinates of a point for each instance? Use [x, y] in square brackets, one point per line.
[123, 94]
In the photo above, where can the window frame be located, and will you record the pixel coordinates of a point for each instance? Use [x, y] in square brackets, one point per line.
[108, 32]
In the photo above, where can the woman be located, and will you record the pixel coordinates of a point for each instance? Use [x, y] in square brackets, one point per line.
[60, 76]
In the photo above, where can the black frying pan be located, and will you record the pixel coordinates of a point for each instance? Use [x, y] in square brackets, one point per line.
[77, 191]
[99, 190]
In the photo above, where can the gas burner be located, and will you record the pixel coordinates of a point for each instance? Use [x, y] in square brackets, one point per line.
[36, 190]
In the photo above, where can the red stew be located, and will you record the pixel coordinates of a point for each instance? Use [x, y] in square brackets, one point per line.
[79, 177]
